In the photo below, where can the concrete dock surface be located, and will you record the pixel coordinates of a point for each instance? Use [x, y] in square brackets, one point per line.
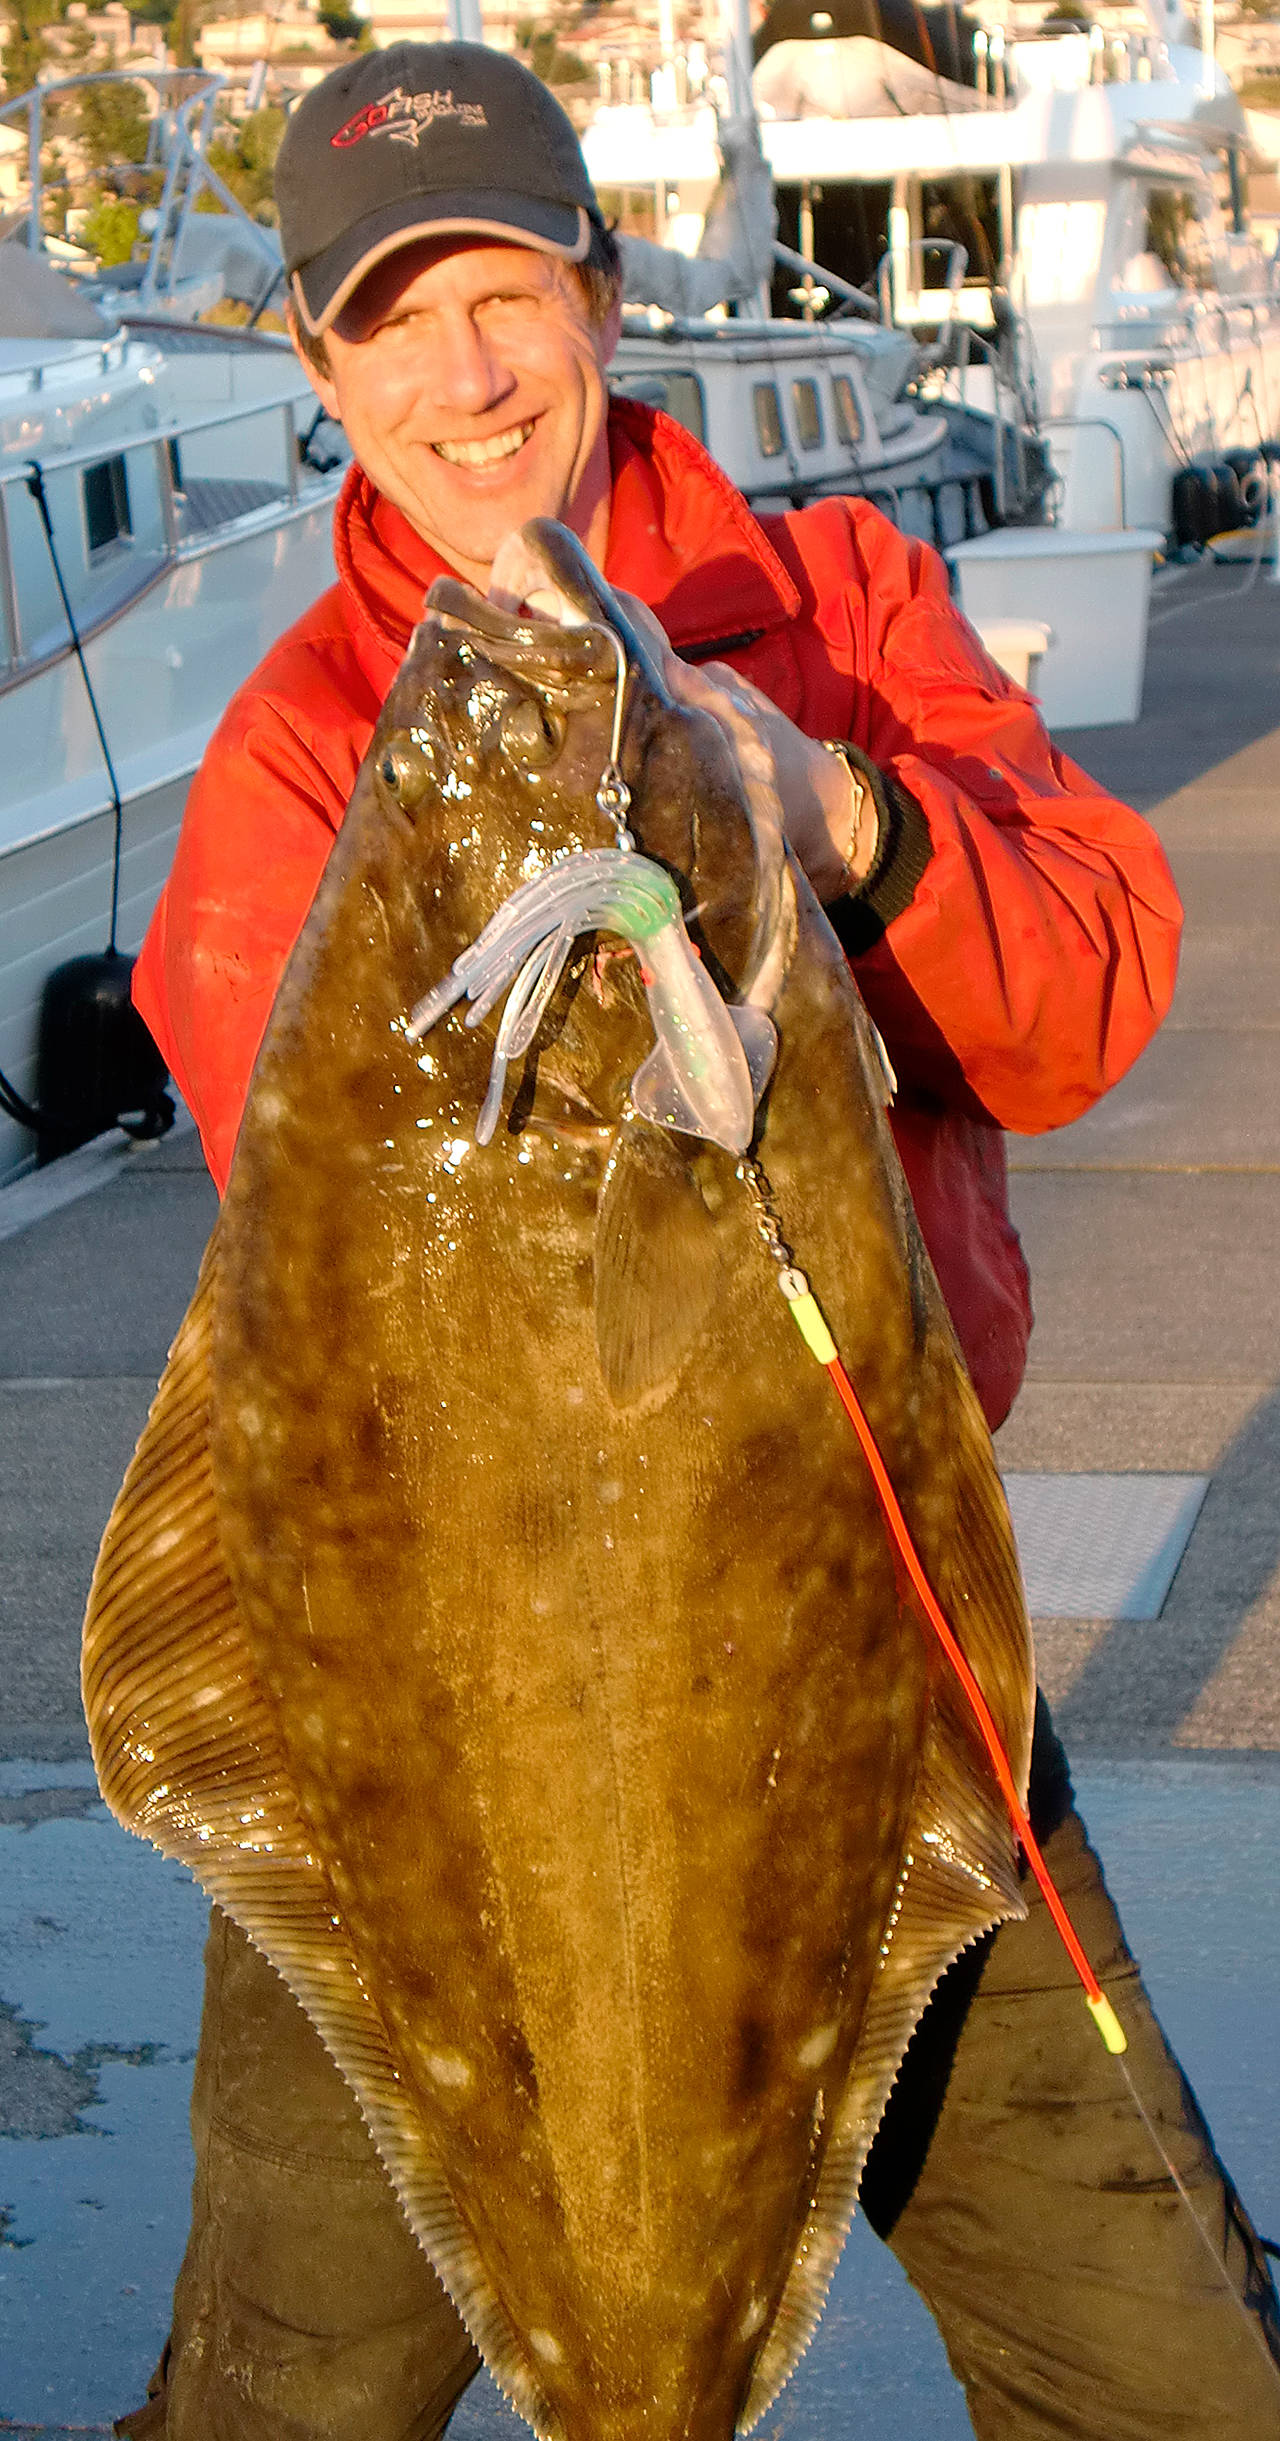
[1143, 1459]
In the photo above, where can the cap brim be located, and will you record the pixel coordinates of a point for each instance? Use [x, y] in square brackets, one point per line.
[322, 286]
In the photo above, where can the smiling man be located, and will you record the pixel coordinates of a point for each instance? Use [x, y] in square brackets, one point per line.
[469, 380]
[1013, 932]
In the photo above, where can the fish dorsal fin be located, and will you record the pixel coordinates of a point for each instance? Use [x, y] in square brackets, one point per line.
[189, 1756]
[959, 1873]
[657, 1260]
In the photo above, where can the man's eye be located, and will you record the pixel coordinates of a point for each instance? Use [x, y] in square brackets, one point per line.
[511, 300]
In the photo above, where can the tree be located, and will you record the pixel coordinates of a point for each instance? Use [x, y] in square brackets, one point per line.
[184, 25]
[113, 124]
[342, 24]
[25, 52]
[245, 159]
[541, 43]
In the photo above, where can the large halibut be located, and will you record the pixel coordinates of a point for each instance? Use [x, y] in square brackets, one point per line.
[497, 1616]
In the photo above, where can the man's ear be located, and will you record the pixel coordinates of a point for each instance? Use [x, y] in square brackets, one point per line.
[307, 350]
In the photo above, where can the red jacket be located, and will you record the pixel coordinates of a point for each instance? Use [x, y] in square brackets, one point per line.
[1032, 964]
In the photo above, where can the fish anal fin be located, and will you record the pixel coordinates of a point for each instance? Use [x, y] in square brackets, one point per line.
[189, 1755]
[657, 1261]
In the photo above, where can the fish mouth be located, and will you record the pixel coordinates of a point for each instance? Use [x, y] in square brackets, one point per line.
[554, 658]
[547, 599]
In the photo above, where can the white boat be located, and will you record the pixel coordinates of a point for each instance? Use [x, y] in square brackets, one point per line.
[190, 489]
[1128, 316]
[795, 410]
[825, 398]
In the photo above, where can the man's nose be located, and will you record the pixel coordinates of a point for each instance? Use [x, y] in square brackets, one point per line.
[468, 371]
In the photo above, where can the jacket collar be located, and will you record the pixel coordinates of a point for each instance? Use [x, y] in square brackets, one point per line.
[680, 537]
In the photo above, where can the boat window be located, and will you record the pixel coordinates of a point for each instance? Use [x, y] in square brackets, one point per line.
[848, 412]
[679, 394]
[808, 413]
[768, 413]
[106, 503]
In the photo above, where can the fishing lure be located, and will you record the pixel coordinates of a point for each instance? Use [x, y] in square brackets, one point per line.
[711, 1059]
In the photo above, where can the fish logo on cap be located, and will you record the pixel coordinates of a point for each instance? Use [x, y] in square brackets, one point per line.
[402, 116]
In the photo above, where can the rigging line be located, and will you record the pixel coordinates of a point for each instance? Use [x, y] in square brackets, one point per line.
[1252, 2320]
[35, 485]
[1167, 429]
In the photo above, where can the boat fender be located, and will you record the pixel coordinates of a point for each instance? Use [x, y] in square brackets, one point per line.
[96, 1064]
[1207, 500]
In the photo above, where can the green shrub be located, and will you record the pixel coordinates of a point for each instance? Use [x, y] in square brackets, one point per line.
[110, 230]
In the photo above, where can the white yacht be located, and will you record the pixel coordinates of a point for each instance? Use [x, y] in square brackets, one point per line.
[793, 410]
[1053, 231]
[189, 487]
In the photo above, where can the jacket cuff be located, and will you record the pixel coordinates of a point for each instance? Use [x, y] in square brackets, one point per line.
[903, 850]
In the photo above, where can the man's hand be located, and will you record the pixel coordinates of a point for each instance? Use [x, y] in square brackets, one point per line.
[828, 815]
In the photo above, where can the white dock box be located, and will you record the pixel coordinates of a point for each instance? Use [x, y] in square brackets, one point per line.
[1092, 593]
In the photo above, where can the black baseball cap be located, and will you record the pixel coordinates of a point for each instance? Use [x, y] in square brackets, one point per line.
[419, 138]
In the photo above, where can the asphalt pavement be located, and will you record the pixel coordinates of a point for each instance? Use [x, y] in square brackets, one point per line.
[1144, 1464]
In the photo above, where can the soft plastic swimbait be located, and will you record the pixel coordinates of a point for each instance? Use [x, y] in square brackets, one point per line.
[710, 1061]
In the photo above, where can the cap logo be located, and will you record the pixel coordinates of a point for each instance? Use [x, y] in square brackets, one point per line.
[402, 116]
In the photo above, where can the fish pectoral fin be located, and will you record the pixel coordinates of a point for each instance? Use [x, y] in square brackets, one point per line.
[959, 1876]
[189, 1756]
[657, 1261]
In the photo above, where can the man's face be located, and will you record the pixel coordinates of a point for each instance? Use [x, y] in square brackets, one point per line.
[470, 382]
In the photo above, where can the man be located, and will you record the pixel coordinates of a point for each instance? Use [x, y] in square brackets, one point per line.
[1014, 934]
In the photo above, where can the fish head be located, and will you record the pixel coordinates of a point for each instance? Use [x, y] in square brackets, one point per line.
[534, 725]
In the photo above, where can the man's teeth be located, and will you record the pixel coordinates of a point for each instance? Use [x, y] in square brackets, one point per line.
[483, 453]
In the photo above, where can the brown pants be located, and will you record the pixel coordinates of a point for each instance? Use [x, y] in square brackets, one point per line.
[1013, 2178]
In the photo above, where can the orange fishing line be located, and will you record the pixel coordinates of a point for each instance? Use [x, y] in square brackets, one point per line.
[811, 1324]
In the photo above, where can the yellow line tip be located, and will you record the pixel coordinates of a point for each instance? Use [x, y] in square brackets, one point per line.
[1107, 2023]
[808, 1319]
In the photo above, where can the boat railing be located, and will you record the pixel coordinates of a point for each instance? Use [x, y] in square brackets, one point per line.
[992, 374]
[129, 507]
[1064, 61]
[181, 129]
[851, 300]
[904, 298]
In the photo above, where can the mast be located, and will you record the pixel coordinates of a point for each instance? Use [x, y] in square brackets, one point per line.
[465, 21]
[735, 19]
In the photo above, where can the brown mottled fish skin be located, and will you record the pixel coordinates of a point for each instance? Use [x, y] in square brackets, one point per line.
[497, 1615]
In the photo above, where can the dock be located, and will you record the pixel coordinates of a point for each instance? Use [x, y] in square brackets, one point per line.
[1143, 1461]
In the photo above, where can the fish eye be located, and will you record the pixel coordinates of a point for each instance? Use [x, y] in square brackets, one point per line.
[531, 732]
[405, 768]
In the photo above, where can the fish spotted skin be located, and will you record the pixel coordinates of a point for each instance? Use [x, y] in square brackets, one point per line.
[497, 1615]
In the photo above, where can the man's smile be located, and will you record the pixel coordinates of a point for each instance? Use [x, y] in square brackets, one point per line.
[483, 453]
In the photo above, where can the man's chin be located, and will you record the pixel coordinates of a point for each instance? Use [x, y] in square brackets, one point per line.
[469, 530]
